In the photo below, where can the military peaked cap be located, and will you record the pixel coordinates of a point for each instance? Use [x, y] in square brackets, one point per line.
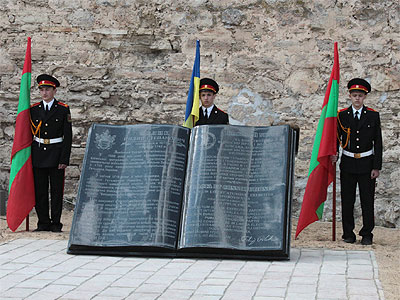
[358, 84]
[47, 80]
[209, 84]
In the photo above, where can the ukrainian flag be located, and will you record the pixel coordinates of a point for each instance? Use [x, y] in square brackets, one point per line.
[193, 102]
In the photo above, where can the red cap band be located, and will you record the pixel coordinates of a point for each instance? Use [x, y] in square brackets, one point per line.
[358, 87]
[46, 82]
[208, 87]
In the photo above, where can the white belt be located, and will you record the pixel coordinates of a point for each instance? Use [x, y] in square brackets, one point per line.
[358, 155]
[48, 141]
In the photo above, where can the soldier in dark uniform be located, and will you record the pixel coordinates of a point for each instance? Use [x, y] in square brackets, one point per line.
[51, 149]
[209, 113]
[360, 136]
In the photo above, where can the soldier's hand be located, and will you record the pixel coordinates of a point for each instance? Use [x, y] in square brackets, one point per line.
[62, 166]
[374, 174]
[334, 158]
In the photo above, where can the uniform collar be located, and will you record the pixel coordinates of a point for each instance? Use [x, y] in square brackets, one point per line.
[359, 110]
[50, 104]
[209, 109]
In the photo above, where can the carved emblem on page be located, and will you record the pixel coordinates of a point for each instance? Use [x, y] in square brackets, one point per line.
[105, 140]
[209, 140]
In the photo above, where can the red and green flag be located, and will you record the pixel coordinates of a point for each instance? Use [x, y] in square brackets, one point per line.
[322, 171]
[21, 196]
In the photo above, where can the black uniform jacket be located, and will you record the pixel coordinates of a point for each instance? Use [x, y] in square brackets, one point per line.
[217, 116]
[364, 137]
[57, 123]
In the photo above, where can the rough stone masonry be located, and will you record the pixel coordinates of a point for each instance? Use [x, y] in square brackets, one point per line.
[129, 62]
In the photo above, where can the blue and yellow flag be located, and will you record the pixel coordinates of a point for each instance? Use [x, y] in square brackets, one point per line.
[193, 102]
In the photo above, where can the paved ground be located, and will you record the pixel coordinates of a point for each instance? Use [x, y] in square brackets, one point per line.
[41, 269]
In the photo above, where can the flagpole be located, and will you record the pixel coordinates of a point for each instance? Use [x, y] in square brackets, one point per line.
[334, 205]
[27, 217]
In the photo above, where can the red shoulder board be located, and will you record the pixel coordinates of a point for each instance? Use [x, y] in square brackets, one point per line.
[63, 104]
[221, 110]
[343, 109]
[35, 104]
[370, 109]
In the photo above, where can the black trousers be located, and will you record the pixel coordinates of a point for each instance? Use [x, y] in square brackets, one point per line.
[366, 186]
[42, 178]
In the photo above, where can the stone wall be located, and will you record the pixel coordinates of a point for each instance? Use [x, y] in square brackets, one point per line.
[129, 62]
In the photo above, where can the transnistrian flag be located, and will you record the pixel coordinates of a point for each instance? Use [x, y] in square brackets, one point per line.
[322, 171]
[193, 102]
[21, 197]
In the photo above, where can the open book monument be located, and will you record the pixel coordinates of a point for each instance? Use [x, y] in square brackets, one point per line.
[144, 191]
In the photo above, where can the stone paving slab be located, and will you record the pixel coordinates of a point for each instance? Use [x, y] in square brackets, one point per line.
[41, 269]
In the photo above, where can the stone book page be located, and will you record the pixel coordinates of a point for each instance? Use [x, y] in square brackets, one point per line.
[131, 187]
[238, 191]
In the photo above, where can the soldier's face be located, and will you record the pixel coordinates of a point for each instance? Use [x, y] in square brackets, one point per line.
[357, 99]
[207, 98]
[47, 93]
